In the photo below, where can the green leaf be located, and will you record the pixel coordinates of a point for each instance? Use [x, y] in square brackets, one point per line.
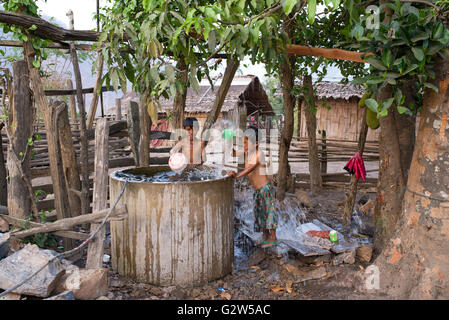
[387, 103]
[431, 86]
[402, 109]
[418, 53]
[420, 36]
[371, 104]
[288, 5]
[410, 68]
[376, 63]
[36, 64]
[438, 31]
[147, 4]
[311, 11]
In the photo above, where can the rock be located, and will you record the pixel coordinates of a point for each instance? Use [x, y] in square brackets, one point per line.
[310, 274]
[364, 253]
[256, 257]
[345, 257]
[368, 208]
[103, 298]
[88, 284]
[303, 198]
[26, 261]
[4, 226]
[4, 245]
[66, 295]
[10, 296]
[316, 260]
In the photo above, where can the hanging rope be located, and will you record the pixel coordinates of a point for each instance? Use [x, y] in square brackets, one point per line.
[70, 252]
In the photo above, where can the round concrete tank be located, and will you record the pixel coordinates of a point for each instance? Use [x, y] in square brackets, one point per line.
[178, 233]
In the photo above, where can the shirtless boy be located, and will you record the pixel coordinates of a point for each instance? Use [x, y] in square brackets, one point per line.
[190, 146]
[255, 168]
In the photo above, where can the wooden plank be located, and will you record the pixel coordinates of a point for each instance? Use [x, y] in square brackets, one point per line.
[95, 249]
[21, 122]
[69, 162]
[95, 96]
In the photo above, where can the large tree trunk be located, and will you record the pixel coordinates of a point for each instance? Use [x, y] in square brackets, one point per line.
[414, 261]
[316, 181]
[396, 143]
[287, 82]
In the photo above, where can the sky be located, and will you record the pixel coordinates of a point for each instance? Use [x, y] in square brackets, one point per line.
[84, 11]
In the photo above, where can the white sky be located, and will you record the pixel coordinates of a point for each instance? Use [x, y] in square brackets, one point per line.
[84, 11]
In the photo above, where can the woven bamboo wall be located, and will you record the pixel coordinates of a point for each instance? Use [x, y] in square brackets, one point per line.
[341, 121]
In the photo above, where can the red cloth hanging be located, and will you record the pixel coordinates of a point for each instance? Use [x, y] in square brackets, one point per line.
[356, 165]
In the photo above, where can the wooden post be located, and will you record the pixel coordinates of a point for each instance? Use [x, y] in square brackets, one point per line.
[118, 109]
[50, 115]
[85, 205]
[96, 247]
[21, 126]
[3, 182]
[323, 152]
[72, 102]
[69, 163]
[352, 192]
[94, 102]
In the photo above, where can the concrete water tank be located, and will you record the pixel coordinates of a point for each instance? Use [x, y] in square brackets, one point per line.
[178, 233]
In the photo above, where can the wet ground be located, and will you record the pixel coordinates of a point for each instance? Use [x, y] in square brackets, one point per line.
[264, 274]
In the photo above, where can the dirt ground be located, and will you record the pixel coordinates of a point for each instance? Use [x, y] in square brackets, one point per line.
[261, 274]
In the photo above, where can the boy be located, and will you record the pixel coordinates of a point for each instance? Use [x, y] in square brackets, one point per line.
[255, 168]
[190, 146]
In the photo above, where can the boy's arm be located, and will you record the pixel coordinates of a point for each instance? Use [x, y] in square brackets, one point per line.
[176, 147]
[247, 170]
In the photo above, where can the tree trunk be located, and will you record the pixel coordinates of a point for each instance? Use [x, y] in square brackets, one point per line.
[72, 103]
[414, 261]
[228, 76]
[95, 95]
[352, 192]
[396, 143]
[19, 201]
[316, 182]
[144, 139]
[179, 103]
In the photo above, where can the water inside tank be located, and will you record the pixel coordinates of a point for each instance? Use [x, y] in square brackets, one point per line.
[200, 173]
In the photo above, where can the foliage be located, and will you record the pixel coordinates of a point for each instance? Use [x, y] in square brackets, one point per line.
[271, 86]
[405, 48]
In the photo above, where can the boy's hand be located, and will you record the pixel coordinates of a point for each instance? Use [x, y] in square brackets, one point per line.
[232, 173]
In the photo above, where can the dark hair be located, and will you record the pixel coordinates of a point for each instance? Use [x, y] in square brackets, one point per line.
[190, 122]
[249, 133]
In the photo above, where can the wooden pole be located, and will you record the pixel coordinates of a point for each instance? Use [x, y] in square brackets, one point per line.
[50, 117]
[68, 223]
[96, 247]
[3, 182]
[85, 206]
[118, 109]
[69, 162]
[72, 102]
[133, 122]
[95, 96]
[352, 192]
[21, 127]
[323, 152]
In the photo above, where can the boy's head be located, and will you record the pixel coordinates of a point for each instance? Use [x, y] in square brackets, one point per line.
[251, 138]
[191, 125]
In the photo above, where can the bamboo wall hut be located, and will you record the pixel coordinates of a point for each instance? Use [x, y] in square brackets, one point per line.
[337, 111]
[246, 97]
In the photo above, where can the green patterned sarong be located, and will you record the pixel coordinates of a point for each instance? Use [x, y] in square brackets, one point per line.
[264, 211]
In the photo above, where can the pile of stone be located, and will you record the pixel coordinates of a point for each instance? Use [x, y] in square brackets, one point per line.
[59, 280]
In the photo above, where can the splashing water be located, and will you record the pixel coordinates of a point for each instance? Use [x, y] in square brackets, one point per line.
[290, 215]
